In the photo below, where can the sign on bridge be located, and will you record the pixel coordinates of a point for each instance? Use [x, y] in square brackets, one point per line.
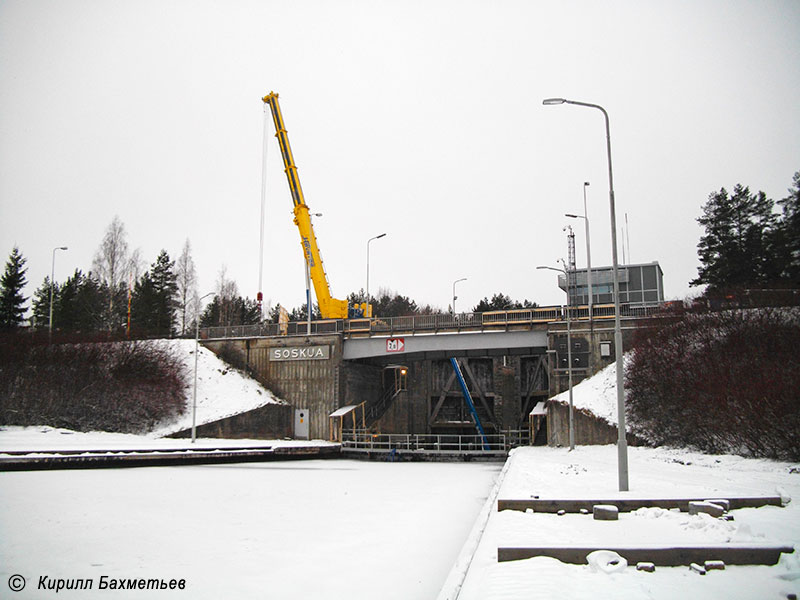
[395, 345]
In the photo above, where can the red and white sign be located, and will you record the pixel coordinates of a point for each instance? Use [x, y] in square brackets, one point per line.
[395, 345]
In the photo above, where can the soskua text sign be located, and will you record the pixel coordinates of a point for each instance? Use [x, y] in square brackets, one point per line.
[300, 353]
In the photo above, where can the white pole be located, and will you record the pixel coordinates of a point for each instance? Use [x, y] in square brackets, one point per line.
[368, 310]
[52, 277]
[622, 444]
[196, 347]
[588, 253]
[454, 294]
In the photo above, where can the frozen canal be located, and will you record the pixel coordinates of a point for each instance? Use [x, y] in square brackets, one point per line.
[305, 529]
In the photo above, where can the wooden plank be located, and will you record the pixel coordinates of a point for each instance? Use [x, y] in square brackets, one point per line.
[665, 556]
[553, 505]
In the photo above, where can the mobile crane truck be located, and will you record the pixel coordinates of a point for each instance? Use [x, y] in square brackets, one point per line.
[329, 307]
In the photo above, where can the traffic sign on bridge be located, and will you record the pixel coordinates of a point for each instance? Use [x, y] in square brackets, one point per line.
[395, 345]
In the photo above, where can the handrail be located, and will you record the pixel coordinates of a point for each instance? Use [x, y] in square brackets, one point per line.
[496, 320]
[434, 443]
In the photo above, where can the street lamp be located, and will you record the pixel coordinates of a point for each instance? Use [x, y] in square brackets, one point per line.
[196, 346]
[52, 277]
[454, 293]
[585, 217]
[622, 444]
[569, 356]
[369, 306]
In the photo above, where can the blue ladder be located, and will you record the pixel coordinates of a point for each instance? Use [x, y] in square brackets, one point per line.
[468, 398]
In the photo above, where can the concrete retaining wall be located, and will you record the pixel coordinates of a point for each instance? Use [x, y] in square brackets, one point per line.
[269, 422]
[589, 429]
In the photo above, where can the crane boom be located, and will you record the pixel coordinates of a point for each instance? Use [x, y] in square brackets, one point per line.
[329, 307]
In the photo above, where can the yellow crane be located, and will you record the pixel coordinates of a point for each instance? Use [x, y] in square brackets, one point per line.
[329, 307]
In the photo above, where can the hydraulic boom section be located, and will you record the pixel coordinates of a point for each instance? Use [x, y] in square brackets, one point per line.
[329, 307]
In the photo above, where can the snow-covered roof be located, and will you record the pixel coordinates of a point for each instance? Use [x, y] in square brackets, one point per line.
[340, 412]
[539, 410]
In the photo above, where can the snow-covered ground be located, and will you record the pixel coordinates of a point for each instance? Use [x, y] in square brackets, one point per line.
[596, 395]
[221, 390]
[340, 529]
[591, 472]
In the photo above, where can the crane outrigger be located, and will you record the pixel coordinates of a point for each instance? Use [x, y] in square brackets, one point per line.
[329, 307]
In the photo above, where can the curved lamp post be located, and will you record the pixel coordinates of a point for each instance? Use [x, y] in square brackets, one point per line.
[52, 277]
[454, 294]
[369, 306]
[569, 357]
[622, 444]
[585, 217]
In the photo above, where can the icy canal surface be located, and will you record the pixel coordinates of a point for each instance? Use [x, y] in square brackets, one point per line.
[305, 529]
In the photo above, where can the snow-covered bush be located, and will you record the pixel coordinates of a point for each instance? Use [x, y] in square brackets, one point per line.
[111, 386]
[725, 381]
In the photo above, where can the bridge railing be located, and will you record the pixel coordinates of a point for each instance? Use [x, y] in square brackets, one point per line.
[433, 443]
[447, 322]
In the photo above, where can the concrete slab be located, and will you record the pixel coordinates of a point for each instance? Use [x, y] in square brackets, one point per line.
[663, 556]
[553, 505]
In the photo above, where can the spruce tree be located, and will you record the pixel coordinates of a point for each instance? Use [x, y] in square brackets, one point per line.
[80, 304]
[153, 305]
[12, 302]
[40, 306]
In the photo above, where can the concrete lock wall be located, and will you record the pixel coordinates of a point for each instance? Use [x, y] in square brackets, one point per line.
[307, 372]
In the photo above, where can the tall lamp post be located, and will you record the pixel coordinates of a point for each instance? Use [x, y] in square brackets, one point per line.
[369, 306]
[52, 277]
[622, 445]
[196, 346]
[569, 356]
[585, 217]
[454, 293]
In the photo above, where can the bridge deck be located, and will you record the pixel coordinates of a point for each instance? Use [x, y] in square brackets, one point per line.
[503, 320]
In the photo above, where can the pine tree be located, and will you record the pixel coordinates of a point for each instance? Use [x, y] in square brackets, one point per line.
[12, 302]
[737, 249]
[789, 234]
[502, 302]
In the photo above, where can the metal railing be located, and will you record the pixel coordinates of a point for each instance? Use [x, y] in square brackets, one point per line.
[497, 320]
[430, 443]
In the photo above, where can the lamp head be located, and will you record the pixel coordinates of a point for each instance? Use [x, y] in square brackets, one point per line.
[553, 101]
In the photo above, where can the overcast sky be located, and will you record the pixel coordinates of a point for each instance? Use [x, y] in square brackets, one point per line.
[420, 119]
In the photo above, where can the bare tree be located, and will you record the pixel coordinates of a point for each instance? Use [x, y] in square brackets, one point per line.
[227, 292]
[187, 286]
[111, 265]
